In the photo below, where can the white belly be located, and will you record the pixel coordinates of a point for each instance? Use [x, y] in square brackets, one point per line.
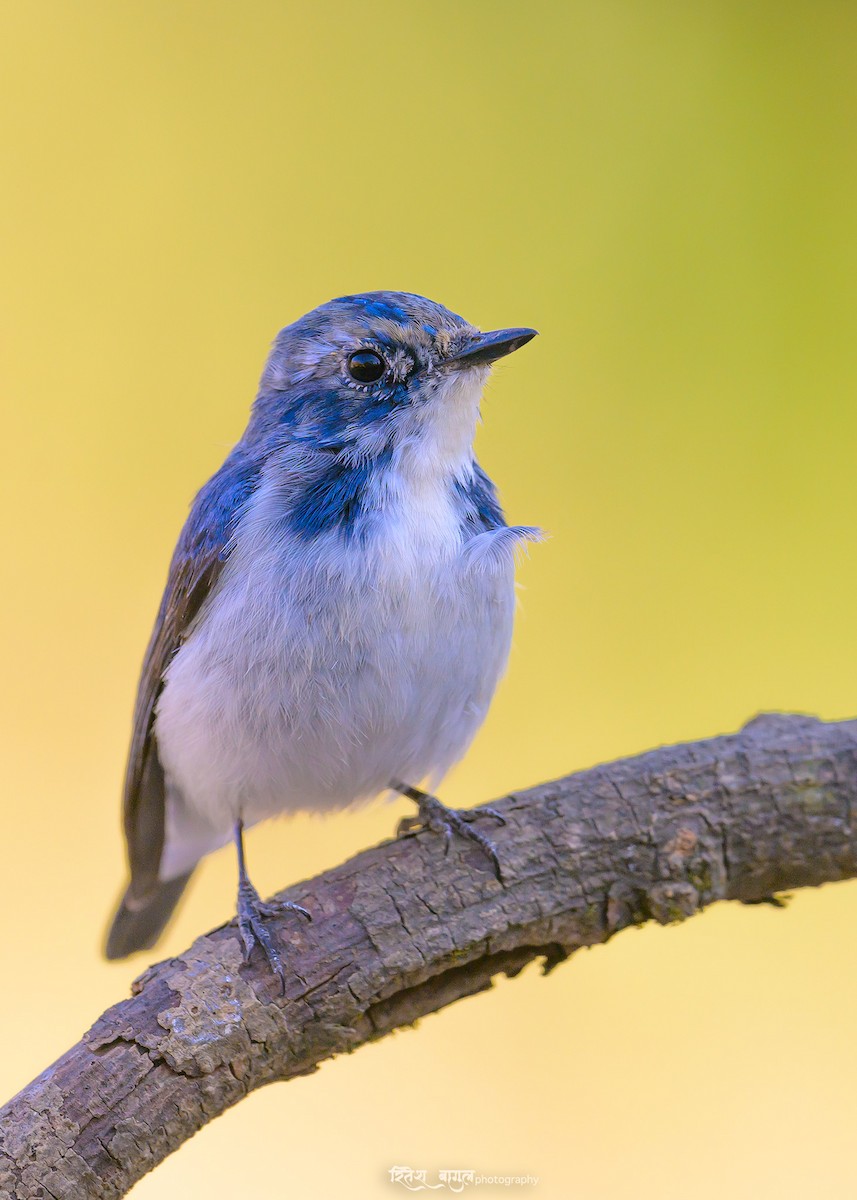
[318, 672]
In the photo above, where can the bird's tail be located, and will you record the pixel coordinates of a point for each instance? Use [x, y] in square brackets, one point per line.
[139, 923]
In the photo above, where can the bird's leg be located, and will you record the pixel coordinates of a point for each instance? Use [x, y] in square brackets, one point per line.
[440, 819]
[252, 910]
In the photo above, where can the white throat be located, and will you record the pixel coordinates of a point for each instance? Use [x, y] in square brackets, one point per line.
[439, 445]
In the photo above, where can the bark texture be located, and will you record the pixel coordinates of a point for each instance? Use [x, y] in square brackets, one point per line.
[400, 931]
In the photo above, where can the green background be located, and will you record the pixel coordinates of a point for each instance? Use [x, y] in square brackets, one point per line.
[667, 191]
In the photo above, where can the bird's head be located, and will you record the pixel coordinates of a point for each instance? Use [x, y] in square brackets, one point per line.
[380, 372]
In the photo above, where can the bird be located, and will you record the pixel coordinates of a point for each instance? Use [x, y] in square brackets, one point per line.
[338, 609]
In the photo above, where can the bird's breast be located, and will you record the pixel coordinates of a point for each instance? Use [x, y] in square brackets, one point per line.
[321, 668]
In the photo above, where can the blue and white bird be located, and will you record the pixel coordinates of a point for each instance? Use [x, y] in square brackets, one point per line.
[339, 606]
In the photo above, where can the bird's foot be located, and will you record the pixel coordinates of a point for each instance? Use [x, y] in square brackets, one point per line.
[252, 912]
[437, 817]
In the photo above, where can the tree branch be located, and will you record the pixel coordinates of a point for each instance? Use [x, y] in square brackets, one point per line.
[400, 931]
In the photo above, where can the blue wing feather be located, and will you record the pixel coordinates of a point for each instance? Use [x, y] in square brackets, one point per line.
[478, 497]
[203, 547]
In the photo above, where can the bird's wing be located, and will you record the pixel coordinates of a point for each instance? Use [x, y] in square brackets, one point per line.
[203, 547]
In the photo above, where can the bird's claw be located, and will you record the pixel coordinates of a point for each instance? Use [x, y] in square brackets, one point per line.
[484, 810]
[273, 908]
[252, 913]
[439, 819]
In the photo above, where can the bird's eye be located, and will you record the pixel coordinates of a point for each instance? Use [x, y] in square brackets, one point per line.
[365, 366]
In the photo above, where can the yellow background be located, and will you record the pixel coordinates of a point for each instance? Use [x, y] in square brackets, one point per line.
[668, 192]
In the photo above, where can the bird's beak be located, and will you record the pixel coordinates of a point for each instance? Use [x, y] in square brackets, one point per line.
[485, 347]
